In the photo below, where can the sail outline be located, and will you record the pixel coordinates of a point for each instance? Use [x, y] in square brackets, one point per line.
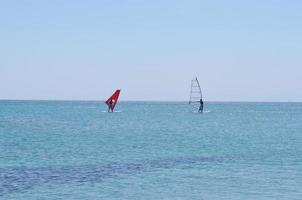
[195, 92]
[114, 98]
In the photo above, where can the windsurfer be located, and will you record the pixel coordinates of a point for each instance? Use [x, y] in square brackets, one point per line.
[201, 106]
[110, 105]
[112, 101]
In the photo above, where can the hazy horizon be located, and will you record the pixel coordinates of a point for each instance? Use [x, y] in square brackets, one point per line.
[155, 101]
[73, 50]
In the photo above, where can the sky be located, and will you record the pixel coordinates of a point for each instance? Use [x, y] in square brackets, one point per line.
[84, 50]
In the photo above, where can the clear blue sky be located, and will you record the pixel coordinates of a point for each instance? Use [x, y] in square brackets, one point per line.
[239, 50]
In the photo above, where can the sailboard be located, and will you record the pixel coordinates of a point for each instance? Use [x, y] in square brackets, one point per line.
[195, 93]
[113, 99]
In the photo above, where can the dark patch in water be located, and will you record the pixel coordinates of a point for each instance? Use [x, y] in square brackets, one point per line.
[20, 179]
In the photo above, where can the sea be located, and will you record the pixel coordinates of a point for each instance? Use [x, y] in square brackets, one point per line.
[71, 150]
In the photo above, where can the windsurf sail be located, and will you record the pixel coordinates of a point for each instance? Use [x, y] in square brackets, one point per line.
[112, 101]
[195, 93]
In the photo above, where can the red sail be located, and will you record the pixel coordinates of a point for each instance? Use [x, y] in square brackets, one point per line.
[114, 99]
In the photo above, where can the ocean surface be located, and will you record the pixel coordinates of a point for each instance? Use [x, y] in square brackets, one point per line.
[150, 151]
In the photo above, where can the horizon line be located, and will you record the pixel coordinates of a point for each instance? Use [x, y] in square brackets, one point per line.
[210, 101]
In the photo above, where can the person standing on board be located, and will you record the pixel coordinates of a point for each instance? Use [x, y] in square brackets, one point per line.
[201, 106]
[110, 106]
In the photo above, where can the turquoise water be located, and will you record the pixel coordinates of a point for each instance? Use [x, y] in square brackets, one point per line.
[150, 150]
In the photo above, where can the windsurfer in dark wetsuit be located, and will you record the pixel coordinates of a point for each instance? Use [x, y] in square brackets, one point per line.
[110, 106]
[201, 106]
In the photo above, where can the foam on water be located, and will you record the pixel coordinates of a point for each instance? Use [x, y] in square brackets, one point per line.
[205, 111]
[115, 111]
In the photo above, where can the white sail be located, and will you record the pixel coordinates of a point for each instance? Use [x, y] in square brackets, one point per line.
[195, 93]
